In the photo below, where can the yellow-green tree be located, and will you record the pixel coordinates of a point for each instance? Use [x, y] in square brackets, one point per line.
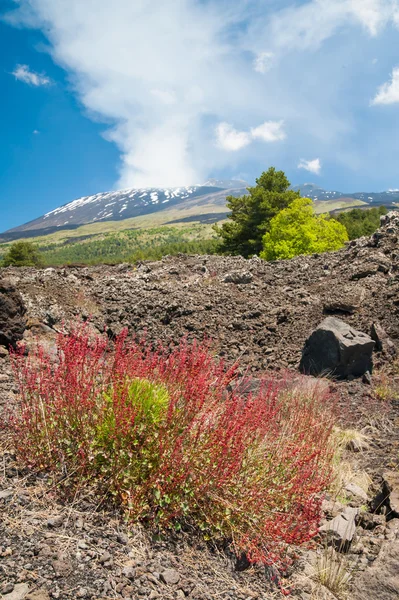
[298, 230]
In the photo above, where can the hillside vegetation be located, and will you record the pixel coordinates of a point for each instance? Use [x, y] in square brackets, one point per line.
[246, 230]
[126, 246]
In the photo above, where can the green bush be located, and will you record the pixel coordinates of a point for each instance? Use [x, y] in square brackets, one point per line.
[359, 222]
[22, 254]
[298, 230]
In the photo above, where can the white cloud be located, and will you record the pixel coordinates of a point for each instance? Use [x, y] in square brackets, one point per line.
[161, 73]
[388, 93]
[164, 96]
[313, 166]
[230, 139]
[23, 73]
[372, 14]
[307, 25]
[36, 132]
[269, 131]
[263, 62]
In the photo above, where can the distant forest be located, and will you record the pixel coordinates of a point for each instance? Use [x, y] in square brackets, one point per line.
[131, 246]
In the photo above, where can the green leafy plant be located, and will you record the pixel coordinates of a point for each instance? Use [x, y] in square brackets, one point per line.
[298, 230]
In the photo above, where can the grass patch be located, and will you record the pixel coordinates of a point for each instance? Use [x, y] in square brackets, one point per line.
[333, 571]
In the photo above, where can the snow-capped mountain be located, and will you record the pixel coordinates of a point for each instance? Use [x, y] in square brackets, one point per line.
[124, 204]
[314, 192]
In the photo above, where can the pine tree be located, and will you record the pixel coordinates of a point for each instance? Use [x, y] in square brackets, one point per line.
[251, 214]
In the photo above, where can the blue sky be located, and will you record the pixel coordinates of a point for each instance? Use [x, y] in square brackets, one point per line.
[98, 95]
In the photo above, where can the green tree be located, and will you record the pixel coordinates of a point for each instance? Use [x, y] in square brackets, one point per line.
[359, 222]
[22, 254]
[298, 230]
[251, 214]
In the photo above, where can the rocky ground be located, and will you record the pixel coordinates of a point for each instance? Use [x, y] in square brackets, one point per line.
[260, 314]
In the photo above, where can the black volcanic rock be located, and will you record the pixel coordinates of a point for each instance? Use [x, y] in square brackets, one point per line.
[336, 349]
[12, 311]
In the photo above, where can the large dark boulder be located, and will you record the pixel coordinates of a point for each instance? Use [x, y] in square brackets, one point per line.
[12, 315]
[336, 349]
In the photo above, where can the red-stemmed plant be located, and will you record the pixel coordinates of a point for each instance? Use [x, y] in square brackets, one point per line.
[160, 430]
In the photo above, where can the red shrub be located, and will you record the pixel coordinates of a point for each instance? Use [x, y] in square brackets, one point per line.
[160, 431]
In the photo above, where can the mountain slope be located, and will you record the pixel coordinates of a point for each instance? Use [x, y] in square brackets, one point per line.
[125, 204]
[314, 192]
[205, 201]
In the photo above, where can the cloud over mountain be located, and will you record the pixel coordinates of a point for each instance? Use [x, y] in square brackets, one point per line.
[313, 166]
[181, 86]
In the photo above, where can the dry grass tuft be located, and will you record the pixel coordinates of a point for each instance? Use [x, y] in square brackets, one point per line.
[332, 571]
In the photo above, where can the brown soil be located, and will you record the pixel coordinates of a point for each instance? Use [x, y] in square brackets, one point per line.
[256, 312]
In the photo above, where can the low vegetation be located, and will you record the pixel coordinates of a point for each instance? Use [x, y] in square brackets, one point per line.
[124, 246]
[359, 222]
[22, 254]
[159, 432]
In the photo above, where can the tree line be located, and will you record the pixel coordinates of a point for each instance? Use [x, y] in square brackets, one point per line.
[271, 221]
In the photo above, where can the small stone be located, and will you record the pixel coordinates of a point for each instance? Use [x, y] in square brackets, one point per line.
[128, 591]
[4, 494]
[122, 538]
[19, 592]
[38, 595]
[105, 557]
[391, 488]
[7, 588]
[55, 522]
[393, 525]
[3, 352]
[370, 521]
[238, 277]
[129, 572]
[356, 491]
[382, 340]
[62, 568]
[81, 593]
[170, 577]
